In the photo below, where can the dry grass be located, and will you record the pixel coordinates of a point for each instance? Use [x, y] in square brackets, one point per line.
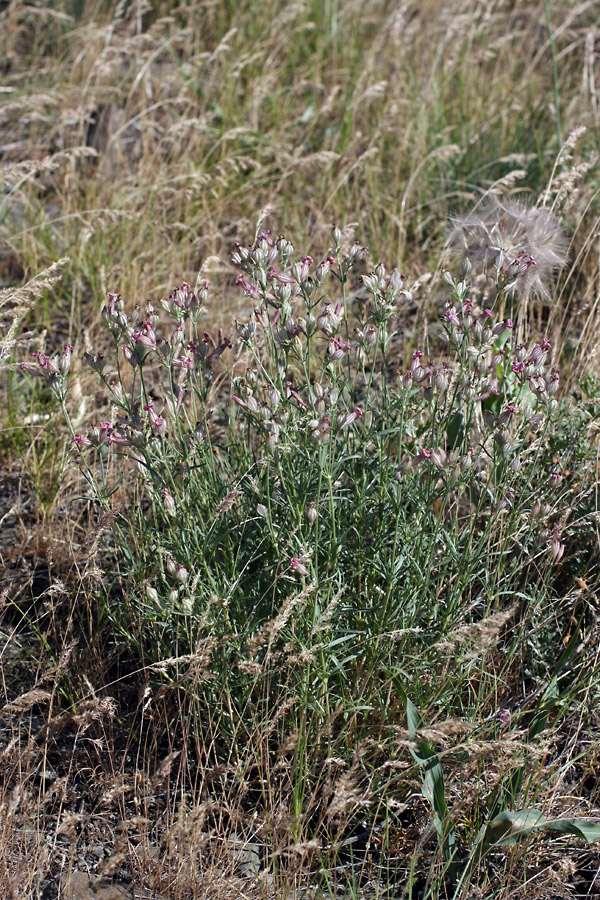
[138, 140]
[147, 142]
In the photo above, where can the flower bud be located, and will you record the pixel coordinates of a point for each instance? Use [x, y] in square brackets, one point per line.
[64, 362]
[273, 436]
[466, 267]
[273, 398]
[130, 356]
[96, 363]
[152, 595]
[168, 502]
[505, 416]
[81, 440]
[440, 379]
[181, 574]
[246, 332]
[310, 512]
[556, 548]
[284, 247]
[187, 604]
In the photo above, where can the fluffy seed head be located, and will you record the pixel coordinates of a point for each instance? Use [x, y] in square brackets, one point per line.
[505, 231]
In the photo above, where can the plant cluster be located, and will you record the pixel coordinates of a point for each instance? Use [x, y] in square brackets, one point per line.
[314, 597]
[307, 524]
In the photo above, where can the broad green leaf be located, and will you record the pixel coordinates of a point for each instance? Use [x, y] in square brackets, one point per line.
[433, 781]
[413, 718]
[511, 827]
[589, 831]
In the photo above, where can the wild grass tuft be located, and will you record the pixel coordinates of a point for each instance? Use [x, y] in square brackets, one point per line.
[322, 540]
[299, 561]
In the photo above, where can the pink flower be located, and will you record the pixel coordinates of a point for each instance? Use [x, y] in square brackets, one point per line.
[505, 416]
[31, 369]
[116, 437]
[292, 393]
[169, 502]
[421, 456]
[556, 548]
[145, 336]
[219, 346]
[336, 349]
[296, 565]
[249, 289]
[53, 369]
[351, 417]
[182, 362]
[262, 317]
[281, 277]
[157, 422]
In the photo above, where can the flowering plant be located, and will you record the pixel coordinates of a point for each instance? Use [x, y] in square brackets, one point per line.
[301, 468]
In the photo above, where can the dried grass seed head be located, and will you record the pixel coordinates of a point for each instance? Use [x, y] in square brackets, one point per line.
[502, 232]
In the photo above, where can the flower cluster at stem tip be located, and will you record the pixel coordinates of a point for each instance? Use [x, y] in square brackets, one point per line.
[318, 371]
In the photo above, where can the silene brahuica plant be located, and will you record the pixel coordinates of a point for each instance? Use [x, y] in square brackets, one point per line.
[305, 608]
[296, 467]
[326, 532]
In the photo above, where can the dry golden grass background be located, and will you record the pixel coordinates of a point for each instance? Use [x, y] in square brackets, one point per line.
[141, 140]
[137, 140]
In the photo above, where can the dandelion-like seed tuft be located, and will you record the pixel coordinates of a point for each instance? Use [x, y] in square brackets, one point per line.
[527, 243]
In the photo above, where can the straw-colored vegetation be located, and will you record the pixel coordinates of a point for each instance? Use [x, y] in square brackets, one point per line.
[300, 562]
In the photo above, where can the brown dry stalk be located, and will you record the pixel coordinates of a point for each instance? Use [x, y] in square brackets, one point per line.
[227, 503]
[17, 302]
[27, 700]
[480, 634]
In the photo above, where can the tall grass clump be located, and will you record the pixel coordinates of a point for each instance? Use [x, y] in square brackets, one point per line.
[319, 538]
[136, 142]
[312, 593]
